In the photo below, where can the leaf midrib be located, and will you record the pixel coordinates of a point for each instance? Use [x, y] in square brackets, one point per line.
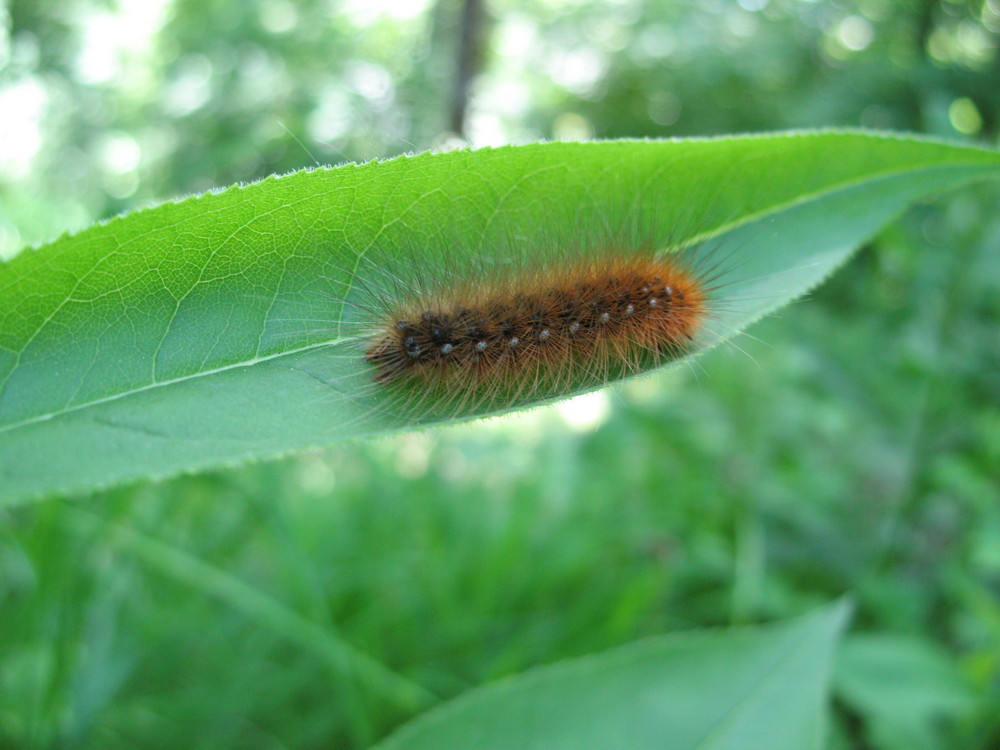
[172, 381]
[768, 675]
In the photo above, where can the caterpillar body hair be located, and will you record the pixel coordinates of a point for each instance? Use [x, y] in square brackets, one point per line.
[522, 329]
[441, 333]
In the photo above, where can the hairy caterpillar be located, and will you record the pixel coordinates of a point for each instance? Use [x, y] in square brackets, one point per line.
[447, 333]
[520, 328]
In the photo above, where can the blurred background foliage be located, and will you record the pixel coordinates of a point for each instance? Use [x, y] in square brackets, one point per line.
[850, 444]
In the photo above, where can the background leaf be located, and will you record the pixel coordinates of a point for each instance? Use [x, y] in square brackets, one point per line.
[744, 689]
[907, 689]
[185, 336]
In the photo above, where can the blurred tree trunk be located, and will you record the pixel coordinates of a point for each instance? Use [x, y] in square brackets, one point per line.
[468, 60]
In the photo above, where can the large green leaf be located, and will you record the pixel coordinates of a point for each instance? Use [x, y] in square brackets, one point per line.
[206, 331]
[744, 689]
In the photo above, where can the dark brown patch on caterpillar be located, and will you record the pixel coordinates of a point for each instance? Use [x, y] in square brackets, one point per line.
[549, 324]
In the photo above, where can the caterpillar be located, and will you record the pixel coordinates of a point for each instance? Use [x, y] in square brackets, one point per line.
[520, 328]
[488, 332]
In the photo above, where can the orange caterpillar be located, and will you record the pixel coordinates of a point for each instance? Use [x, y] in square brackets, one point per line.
[530, 332]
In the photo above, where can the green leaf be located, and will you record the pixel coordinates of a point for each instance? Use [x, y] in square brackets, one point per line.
[908, 690]
[204, 332]
[742, 689]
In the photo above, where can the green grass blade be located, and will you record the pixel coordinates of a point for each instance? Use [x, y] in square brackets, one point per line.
[343, 659]
[199, 333]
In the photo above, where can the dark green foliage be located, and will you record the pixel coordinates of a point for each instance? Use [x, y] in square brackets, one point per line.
[850, 445]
